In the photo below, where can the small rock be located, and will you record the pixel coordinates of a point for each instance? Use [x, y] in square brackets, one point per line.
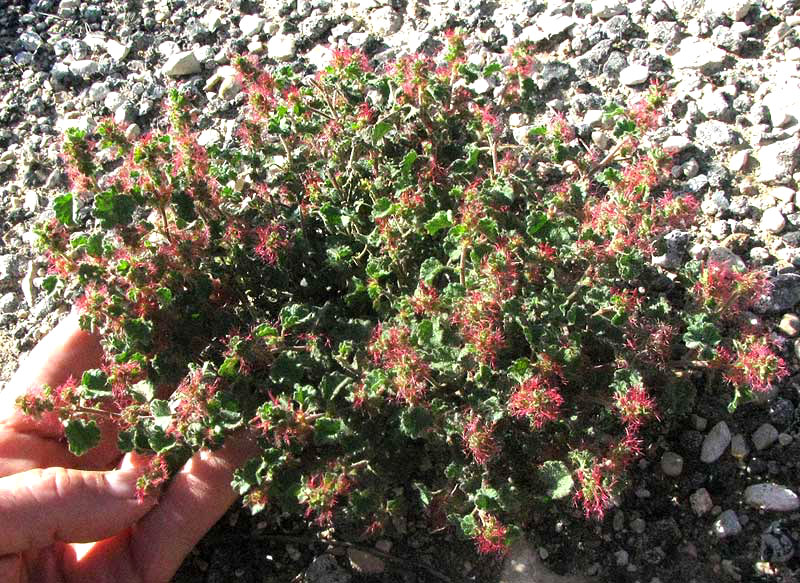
[738, 161]
[325, 569]
[769, 496]
[790, 325]
[638, 525]
[715, 203]
[523, 565]
[251, 25]
[9, 268]
[676, 144]
[229, 88]
[784, 439]
[84, 68]
[622, 557]
[8, 303]
[764, 436]
[634, 75]
[716, 133]
[116, 50]
[778, 160]
[783, 295]
[698, 54]
[282, 47]
[320, 56]
[701, 502]
[385, 21]
[132, 132]
[776, 545]
[480, 85]
[781, 412]
[182, 64]
[725, 255]
[727, 524]
[698, 422]
[671, 464]
[208, 137]
[773, 220]
[783, 194]
[715, 443]
[363, 562]
[606, 9]
[212, 19]
[739, 448]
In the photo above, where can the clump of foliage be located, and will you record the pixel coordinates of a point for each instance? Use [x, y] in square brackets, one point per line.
[402, 303]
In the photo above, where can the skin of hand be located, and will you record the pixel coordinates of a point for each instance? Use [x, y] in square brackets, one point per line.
[68, 519]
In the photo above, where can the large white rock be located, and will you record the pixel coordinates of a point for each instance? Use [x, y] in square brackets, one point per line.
[251, 24]
[546, 27]
[320, 56]
[733, 9]
[777, 160]
[698, 54]
[181, 64]
[633, 75]
[769, 496]
[282, 47]
[385, 21]
[116, 50]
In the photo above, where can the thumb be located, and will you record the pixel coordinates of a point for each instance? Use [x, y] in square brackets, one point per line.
[41, 507]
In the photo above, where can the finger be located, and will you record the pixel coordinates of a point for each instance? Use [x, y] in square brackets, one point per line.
[196, 498]
[65, 351]
[42, 507]
[11, 569]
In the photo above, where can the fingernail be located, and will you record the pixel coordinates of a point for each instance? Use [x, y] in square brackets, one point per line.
[122, 483]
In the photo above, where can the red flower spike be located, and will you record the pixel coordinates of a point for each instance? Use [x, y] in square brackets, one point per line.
[478, 439]
[537, 400]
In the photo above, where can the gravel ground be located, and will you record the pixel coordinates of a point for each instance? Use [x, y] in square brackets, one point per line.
[714, 498]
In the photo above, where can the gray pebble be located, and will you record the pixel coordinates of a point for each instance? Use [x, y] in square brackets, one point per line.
[671, 464]
[764, 436]
[715, 443]
[727, 524]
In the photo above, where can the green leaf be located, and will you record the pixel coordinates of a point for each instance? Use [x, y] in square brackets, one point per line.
[62, 205]
[95, 380]
[429, 269]
[408, 160]
[383, 207]
[381, 129]
[332, 215]
[162, 414]
[81, 435]
[486, 499]
[143, 391]
[327, 430]
[491, 69]
[414, 422]
[468, 525]
[536, 222]
[266, 331]
[295, 315]
[701, 334]
[230, 367]
[113, 208]
[49, 283]
[557, 479]
[332, 384]
[488, 227]
[425, 495]
[164, 296]
[441, 220]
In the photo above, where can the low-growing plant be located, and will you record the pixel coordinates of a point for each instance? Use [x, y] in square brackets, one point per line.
[402, 303]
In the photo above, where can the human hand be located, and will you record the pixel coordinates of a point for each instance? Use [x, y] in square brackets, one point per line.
[71, 519]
